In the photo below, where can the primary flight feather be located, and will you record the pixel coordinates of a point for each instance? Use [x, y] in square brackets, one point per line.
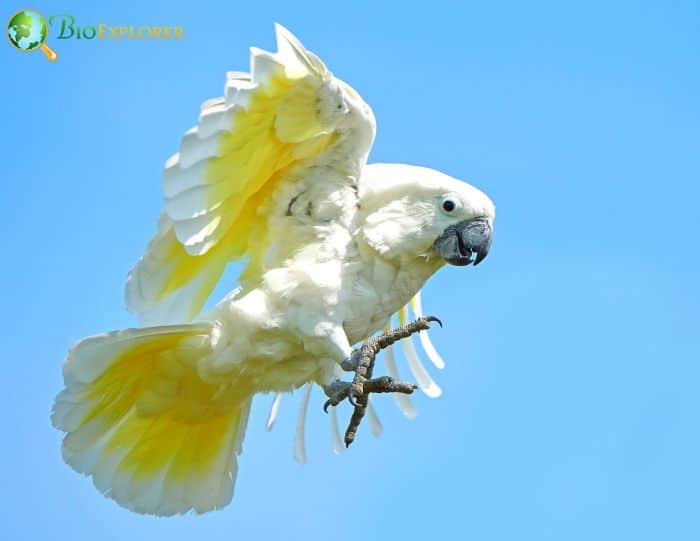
[274, 174]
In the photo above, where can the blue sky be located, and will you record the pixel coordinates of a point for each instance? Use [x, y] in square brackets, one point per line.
[570, 406]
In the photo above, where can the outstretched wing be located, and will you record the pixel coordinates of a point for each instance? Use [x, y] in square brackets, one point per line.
[276, 123]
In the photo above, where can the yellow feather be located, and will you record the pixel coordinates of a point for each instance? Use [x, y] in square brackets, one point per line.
[297, 114]
[271, 136]
[187, 429]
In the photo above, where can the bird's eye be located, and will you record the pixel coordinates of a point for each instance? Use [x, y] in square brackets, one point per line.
[449, 205]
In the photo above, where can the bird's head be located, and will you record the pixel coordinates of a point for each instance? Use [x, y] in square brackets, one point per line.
[409, 211]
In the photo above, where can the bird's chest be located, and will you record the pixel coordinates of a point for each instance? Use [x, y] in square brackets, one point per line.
[378, 289]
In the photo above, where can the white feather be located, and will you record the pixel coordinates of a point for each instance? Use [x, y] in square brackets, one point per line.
[291, 53]
[423, 379]
[424, 337]
[375, 425]
[195, 148]
[173, 308]
[335, 432]
[238, 93]
[200, 233]
[299, 443]
[274, 411]
[177, 179]
[215, 119]
[263, 64]
[188, 204]
[402, 401]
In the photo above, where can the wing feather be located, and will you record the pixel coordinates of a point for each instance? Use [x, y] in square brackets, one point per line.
[271, 125]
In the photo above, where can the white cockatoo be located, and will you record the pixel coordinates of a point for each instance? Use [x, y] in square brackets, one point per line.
[274, 174]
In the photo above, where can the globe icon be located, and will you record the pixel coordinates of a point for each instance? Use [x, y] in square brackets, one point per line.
[27, 32]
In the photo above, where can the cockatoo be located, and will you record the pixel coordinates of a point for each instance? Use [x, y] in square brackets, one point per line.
[274, 174]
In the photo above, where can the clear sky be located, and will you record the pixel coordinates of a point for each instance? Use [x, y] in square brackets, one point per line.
[570, 407]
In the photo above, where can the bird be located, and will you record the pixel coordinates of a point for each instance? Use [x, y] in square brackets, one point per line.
[274, 176]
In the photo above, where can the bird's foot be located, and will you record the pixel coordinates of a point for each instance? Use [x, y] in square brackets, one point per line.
[340, 390]
[361, 361]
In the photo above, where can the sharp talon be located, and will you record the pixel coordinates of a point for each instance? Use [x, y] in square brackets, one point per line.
[362, 358]
[433, 318]
[325, 406]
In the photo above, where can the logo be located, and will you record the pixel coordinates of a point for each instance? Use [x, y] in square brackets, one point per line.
[27, 31]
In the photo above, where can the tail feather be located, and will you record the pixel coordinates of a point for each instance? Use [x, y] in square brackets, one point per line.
[153, 435]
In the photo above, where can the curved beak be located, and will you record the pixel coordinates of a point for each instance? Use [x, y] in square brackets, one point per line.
[459, 242]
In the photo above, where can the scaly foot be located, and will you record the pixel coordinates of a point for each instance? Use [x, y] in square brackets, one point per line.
[340, 390]
[361, 362]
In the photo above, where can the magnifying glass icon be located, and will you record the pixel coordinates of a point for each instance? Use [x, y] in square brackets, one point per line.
[27, 31]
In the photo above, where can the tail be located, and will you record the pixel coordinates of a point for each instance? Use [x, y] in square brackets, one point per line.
[153, 435]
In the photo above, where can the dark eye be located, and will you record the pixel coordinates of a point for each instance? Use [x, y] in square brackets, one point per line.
[449, 204]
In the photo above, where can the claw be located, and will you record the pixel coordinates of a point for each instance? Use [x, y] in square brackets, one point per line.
[433, 318]
[336, 392]
[361, 361]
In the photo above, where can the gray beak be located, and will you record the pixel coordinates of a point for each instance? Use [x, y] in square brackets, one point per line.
[460, 241]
